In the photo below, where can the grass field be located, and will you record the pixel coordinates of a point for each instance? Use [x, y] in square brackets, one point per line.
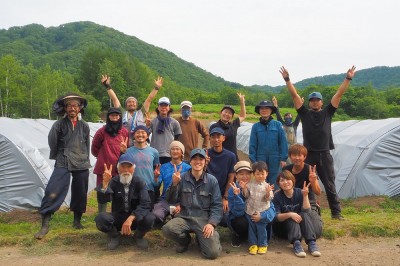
[367, 216]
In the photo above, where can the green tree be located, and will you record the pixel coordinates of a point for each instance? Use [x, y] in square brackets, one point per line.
[10, 73]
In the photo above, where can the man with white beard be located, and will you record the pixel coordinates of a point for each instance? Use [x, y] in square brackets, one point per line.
[130, 204]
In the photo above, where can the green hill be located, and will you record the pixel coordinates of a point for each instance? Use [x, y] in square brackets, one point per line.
[63, 48]
[381, 77]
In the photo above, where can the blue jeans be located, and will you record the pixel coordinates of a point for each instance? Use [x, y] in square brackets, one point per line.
[257, 232]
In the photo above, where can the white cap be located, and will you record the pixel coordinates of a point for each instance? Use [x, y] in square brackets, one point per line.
[164, 100]
[186, 103]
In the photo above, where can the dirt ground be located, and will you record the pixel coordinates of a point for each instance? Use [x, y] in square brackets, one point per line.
[344, 251]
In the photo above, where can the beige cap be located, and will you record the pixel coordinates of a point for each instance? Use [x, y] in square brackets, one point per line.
[242, 165]
[179, 144]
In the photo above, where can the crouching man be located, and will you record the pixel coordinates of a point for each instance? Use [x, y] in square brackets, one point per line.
[198, 208]
[130, 205]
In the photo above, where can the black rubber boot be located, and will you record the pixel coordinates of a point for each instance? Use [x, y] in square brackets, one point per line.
[45, 226]
[114, 237]
[77, 221]
[140, 241]
[102, 207]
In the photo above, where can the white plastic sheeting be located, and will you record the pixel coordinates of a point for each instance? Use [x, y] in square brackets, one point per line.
[366, 156]
[25, 166]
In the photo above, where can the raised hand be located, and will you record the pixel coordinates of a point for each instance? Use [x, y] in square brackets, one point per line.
[305, 189]
[177, 172]
[236, 190]
[158, 82]
[107, 175]
[312, 176]
[351, 72]
[148, 119]
[124, 144]
[207, 158]
[275, 101]
[243, 184]
[176, 177]
[268, 189]
[156, 172]
[241, 96]
[284, 72]
[106, 80]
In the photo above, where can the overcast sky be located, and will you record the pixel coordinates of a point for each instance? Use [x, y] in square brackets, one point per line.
[243, 41]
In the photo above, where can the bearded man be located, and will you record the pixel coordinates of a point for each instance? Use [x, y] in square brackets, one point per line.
[130, 204]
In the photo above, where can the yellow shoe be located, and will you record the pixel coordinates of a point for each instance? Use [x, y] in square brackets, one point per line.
[262, 250]
[253, 249]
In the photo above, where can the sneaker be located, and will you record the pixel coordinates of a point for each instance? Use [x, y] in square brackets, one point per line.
[298, 249]
[235, 240]
[338, 217]
[262, 250]
[313, 249]
[253, 249]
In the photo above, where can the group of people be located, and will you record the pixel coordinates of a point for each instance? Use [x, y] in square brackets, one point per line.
[154, 172]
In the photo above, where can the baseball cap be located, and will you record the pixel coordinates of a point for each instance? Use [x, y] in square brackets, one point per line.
[201, 152]
[164, 100]
[217, 130]
[242, 165]
[186, 103]
[228, 107]
[315, 95]
[126, 158]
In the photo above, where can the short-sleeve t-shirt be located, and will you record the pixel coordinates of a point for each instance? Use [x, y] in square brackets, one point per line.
[317, 131]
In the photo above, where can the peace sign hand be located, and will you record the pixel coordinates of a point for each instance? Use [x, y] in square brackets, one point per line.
[176, 177]
[124, 144]
[351, 72]
[148, 119]
[305, 189]
[275, 101]
[241, 96]
[312, 176]
[236, 190]
[156, 172]
[107, 175]
[207, 158]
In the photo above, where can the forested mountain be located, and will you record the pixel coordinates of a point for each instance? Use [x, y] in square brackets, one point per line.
[380, 77]
[39, 64]
[64, 46]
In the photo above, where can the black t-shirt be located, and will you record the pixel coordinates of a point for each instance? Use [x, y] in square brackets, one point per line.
[317, 131]
[300, 178]
[284, 204]
[230, 131]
